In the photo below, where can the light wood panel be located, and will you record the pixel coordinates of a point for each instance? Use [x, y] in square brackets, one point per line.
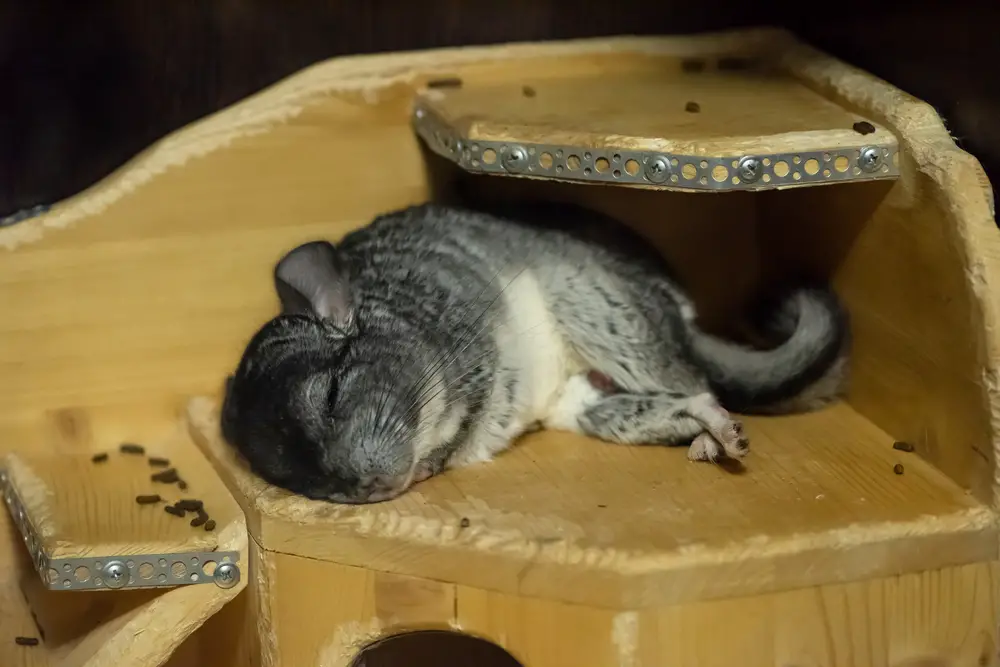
[132, 628]
[917, 265]
[942, 617]
[569, 518]
[80, 508]
[756, 110]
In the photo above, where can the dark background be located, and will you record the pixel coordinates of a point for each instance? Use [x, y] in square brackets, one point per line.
[86, 85]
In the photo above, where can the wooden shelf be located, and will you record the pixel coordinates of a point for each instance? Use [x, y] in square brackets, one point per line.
[565, 517]
[701, 116]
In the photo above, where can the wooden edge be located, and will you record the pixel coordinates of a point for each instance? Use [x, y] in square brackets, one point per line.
[151, 633]
[959, 182]
[349, 74]
[512, 563]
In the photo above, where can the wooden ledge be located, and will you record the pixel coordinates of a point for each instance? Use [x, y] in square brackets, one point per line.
[567, 518]
[700, 117]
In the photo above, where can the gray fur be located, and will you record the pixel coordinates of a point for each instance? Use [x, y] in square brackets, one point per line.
[418, 343]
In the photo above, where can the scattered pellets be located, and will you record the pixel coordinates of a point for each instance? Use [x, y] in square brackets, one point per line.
[158, 462]
[99, 458]
[176, 511]
[692, 107]
[148, 500]
[465, 523]
[26, 641]
[863, 127]
[902, 446]
[898, 468]
[189, 505]
[210, 525]
[446, 82]
[528, 91]
[131, 448]
[168, 476]
[199, 520]
[182, 484]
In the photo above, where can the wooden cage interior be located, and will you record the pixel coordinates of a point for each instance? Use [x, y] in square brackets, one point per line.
[126, 301]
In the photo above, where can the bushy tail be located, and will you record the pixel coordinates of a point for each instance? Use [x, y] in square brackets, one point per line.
[805, 371]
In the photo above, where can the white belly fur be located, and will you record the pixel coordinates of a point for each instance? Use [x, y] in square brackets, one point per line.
[531, 345]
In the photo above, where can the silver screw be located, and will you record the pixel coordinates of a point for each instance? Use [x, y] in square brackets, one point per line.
[657, 169]
[226, 575]
[516, 159]
[870, 159]
[115, 574]
[749, 169]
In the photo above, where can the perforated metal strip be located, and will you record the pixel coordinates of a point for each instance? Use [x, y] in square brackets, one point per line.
[863, 162]
[120, 571]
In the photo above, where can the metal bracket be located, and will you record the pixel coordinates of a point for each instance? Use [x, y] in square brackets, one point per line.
[116, 572]
[864, 162]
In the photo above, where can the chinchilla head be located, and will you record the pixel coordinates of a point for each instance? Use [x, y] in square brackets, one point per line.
[318, 404]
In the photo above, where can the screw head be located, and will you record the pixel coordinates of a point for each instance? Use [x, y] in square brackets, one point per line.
[870, 159]
[516, 159]
[657, 169]
[115, 574]
[226, 575]
[749, 169]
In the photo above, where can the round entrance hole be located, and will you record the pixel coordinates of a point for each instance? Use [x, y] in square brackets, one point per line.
[433, 647]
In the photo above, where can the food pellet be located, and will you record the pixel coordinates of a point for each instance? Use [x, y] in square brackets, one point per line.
[26, 641]
[199, 520]
[210, 525]
[902, 446]
[99, 458]
[158, 462]
[176, 511]
[147, 500]
[863, 127]
[168, 476]
[898, 468]
[446, 82]
[131, 448]
[182, 484]
[464, 523]
[692, 107]
[528, 91]
[189, 505]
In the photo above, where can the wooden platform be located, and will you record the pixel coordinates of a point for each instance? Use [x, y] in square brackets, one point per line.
[564, 517]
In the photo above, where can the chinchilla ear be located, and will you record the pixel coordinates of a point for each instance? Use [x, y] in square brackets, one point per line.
[311, 279]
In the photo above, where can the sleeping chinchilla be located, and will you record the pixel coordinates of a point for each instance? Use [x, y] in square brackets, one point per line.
[435, 336]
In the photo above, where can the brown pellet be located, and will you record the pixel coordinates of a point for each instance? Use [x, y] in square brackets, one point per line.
[99, 458]
[131, 448]
[148, 500]
[189, 505]
[168, 476]
[465, 523]
[446, 82]
[26, 641]
[528, 91]
[692, 107]
[210, 525]
[863, 127]
[199, 520]
[902, 446]
[182, 485]
[898, 468]
[158, 462]
[176, 511]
